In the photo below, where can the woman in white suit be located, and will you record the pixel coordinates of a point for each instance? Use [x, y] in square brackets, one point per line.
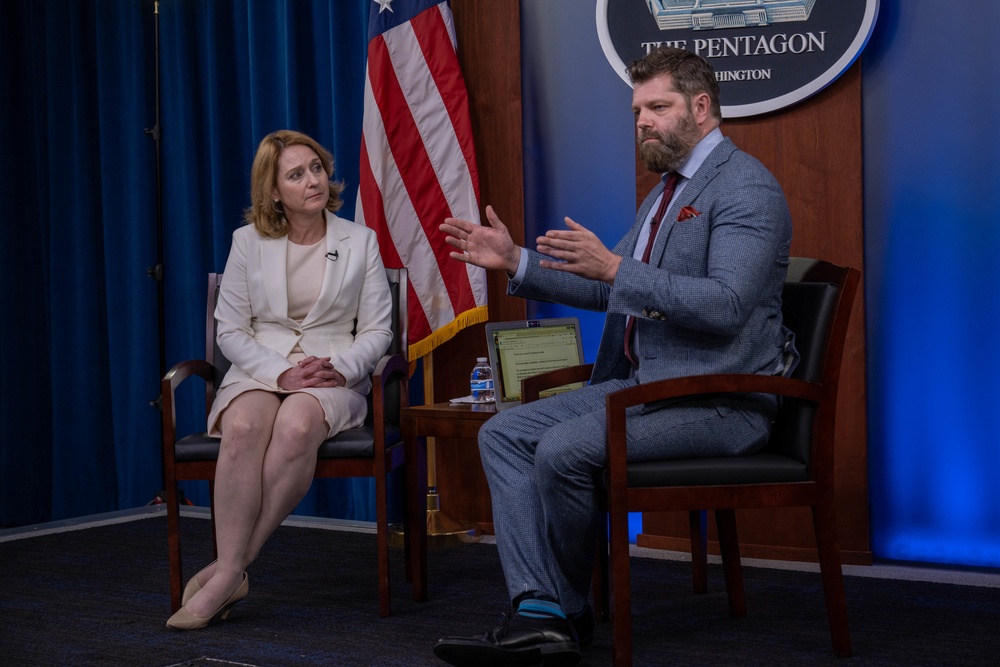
[304, 314]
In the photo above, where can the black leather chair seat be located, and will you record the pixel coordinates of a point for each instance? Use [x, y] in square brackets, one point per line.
[353, 443]
[754, 469]
[196, 447]
[356, 442]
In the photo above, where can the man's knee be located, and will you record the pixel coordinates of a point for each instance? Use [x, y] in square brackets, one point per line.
[493, 435]
[564, 456]
[554, 463]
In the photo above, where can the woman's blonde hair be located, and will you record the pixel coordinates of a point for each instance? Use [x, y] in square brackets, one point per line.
[265, 214]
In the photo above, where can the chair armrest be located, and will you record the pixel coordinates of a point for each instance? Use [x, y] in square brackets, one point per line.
[168, 386]
[391, 364]
[182, 370]
[696, 385]
[390, 368]
[532, 387]
[700, 385]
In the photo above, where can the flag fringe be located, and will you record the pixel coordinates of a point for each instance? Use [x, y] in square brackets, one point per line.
[448, 331]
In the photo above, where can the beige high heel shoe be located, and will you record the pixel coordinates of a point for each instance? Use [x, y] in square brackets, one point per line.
[193, 585]
[185, 620]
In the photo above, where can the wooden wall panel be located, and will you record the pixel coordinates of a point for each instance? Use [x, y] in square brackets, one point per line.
[814, 149]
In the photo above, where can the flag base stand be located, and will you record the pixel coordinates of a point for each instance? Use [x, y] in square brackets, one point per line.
[443, 530]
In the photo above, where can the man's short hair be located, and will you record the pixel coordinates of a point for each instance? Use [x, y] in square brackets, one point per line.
[691, 73]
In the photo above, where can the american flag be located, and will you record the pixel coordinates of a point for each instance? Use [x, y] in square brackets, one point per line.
[418, 164]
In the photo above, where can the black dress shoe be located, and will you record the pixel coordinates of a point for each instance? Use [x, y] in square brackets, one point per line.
[517, 641]
[583, 623]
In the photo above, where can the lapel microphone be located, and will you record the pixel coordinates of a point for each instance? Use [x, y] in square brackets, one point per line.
[333, 256]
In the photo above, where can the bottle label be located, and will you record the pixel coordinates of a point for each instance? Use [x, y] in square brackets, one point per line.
[482, 385]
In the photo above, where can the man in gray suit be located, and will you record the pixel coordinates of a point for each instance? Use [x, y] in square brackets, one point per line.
[705, 298]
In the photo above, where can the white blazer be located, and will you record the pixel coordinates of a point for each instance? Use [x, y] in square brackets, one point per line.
[350, 321]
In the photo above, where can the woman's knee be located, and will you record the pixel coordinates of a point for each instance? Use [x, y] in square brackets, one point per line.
[299, 432]
[246, 425]
[250, 412]
[295, 440]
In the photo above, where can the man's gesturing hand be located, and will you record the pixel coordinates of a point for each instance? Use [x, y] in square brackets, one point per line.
[489, 247]
[580, 252]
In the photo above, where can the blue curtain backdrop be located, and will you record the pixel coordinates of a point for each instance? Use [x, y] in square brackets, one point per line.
[78, 345]
[79, 360]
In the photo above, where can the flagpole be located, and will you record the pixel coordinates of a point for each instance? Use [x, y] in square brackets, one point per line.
[443, 530]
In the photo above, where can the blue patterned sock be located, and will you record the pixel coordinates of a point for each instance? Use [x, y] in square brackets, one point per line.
[535, 608]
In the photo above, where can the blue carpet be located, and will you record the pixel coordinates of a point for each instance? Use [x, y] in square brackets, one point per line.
[98, 596]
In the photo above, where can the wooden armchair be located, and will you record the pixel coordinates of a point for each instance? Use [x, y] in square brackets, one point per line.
[371, 450]
[796, 468]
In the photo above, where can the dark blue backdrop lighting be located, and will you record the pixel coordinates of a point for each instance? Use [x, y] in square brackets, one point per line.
[932, 248]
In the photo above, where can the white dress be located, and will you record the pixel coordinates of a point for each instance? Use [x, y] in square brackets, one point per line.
[343, 407]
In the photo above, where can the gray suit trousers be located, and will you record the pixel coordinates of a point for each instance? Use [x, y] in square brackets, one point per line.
[541, 460]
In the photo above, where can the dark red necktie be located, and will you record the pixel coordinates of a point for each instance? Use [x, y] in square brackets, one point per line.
[654, 225]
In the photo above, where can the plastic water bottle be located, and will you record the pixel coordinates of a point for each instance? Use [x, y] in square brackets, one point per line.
[481, 382]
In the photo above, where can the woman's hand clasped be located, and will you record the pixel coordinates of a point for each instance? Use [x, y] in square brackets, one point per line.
[312, 372]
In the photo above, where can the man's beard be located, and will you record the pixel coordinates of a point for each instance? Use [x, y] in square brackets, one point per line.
[671, 149]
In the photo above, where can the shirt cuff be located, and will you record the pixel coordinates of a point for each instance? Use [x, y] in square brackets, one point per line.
[522, 268]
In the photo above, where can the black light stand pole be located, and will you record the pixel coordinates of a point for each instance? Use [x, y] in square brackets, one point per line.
[156, 272]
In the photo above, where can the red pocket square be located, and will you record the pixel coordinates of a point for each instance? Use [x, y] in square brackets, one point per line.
[687, 213]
